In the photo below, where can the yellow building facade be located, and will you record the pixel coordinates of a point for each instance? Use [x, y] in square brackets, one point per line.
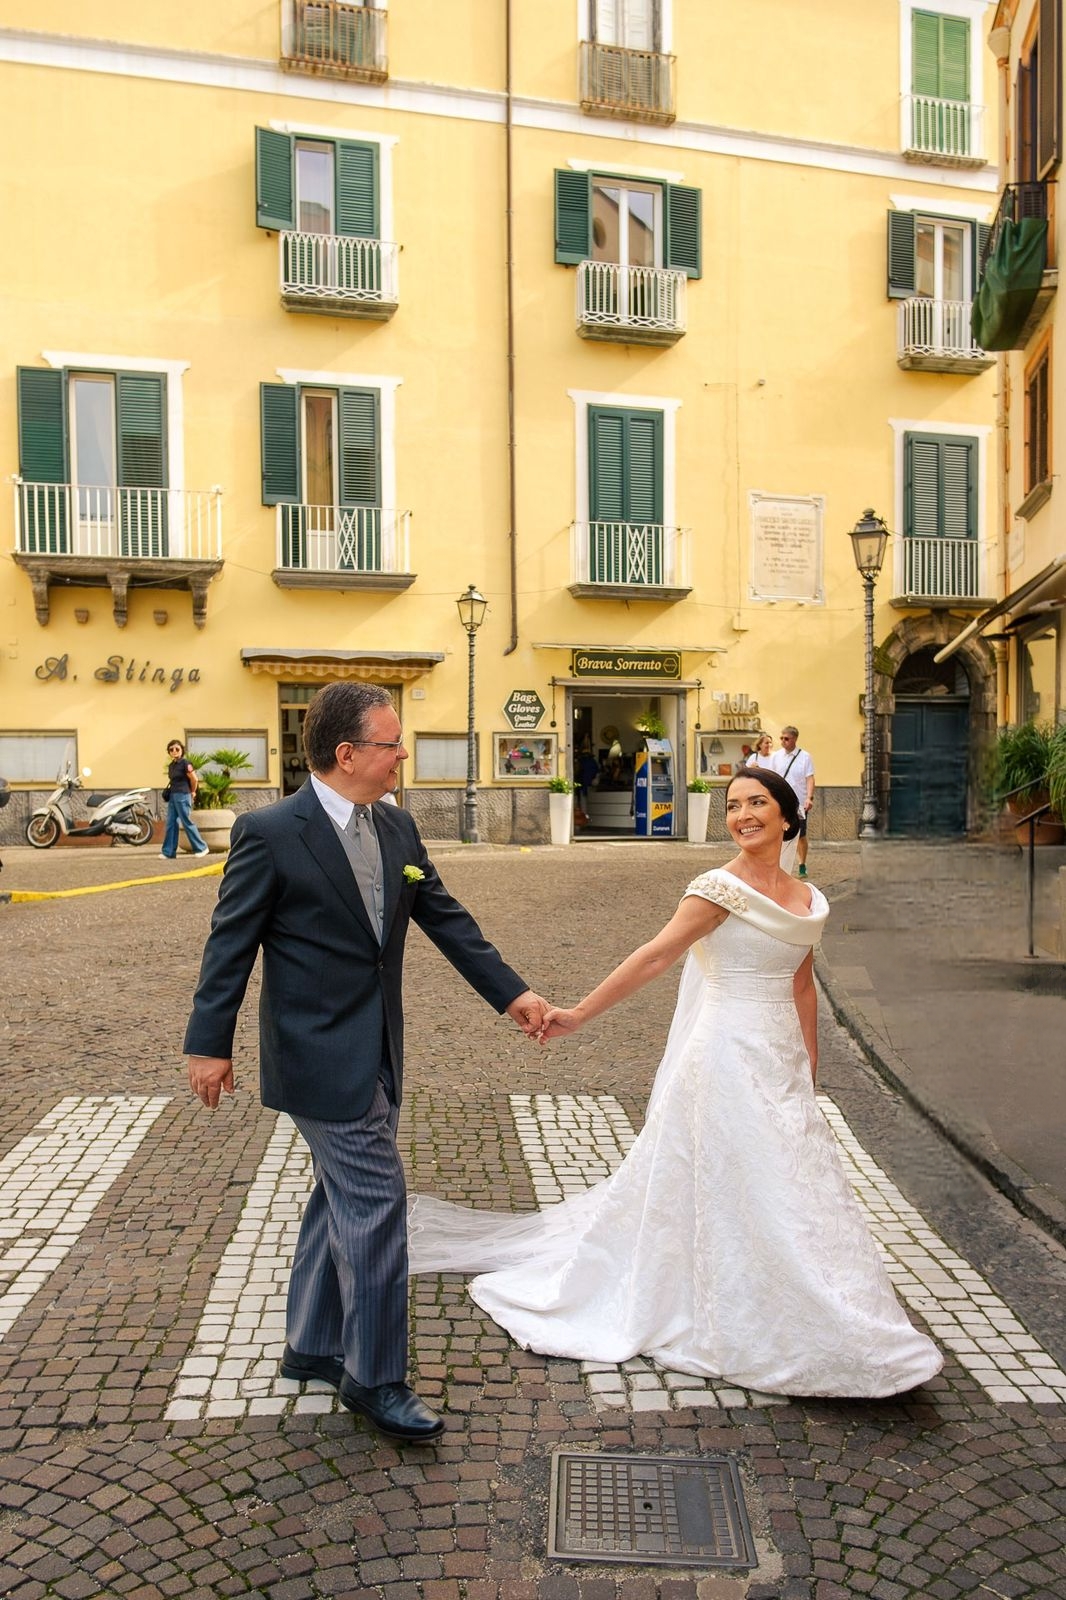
[316, 314]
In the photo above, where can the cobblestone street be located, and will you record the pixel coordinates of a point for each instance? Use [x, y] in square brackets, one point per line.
[148, 1448]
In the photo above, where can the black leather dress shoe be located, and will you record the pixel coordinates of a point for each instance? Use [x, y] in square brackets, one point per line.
[330, 1369]
[394, 1409]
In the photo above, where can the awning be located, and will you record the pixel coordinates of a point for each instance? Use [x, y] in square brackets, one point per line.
[1049, 584]
[368, 666]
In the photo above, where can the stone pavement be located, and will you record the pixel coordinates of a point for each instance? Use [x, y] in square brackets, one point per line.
[147, 1448]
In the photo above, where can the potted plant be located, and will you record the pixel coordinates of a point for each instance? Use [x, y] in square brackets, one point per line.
[699, 806]
[560, 809]
[215, 793]
[1023, 760]
[651, 726]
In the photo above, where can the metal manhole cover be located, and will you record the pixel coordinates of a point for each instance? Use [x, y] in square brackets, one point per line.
[666, 1510]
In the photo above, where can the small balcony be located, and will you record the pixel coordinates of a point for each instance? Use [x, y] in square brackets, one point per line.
[629, 561]
[118, 538]
[630, 305]
[340, 41]
[935, 336]
[342, 547]
[944, 133]
[938, 572]
[339, 275]
[636, 85]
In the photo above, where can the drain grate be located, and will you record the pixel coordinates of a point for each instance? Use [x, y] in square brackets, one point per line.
[644, 1510]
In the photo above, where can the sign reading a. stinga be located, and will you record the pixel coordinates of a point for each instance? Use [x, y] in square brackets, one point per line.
[627, 664]
[119, 670]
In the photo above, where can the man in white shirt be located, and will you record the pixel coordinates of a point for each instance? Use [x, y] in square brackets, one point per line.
[797, 766]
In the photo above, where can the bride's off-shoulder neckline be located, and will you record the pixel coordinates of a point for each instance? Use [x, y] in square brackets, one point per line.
[801, 916]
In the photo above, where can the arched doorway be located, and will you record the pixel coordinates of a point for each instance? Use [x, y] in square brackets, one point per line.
[929, 762]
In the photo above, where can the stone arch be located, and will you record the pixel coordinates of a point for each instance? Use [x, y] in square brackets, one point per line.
[977, 658]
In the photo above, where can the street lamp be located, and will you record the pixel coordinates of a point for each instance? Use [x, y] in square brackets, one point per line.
[472, 607]
[868, 539]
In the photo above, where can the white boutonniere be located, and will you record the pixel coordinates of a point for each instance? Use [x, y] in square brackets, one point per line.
[413, 875]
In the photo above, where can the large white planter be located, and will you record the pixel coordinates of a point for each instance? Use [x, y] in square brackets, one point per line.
[561, 817]
[214, 825]
[699, 806]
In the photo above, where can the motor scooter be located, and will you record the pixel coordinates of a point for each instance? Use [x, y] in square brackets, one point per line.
[5, 796]
[124, 817]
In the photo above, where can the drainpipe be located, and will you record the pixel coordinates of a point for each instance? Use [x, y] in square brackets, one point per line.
[512, 488]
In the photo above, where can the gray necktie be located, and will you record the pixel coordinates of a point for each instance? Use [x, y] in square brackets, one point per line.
[360, 830]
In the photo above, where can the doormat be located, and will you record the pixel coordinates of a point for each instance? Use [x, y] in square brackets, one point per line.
[648, 1510]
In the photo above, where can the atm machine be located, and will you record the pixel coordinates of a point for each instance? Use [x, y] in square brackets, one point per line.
[653, 790]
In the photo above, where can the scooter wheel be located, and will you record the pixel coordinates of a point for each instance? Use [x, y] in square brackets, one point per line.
[145, 828]
[42, 832]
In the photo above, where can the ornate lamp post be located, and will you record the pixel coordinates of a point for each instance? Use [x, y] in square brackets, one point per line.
[472, 607]
[869, 538]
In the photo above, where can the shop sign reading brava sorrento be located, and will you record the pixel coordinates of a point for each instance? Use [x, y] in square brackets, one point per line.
[119, 670]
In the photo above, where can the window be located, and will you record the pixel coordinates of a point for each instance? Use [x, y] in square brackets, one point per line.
[252, 741]
[933, 257]
[632, 24]
[321, 454]
[940, 56]
[442, 757]
[625, 496]
[1037, 428]
[1038, 98]
[940, 486]
[319, 186]
[628, 221]
[523, 755]
[37, 757]
[105, 434]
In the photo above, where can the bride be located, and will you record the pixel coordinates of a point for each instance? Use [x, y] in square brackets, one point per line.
[729, 1243]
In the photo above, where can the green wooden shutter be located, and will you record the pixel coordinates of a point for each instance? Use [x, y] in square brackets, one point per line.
[607, 498]
[626, 491]
[1049, 74]
[940, 486]
[978, 239]
[140, 400]
[357, 189]
[682, 209]
[901, 266]
[274, 182]
[573, 217]
[940, 56]
[42, 431]
[43, 458]
[359, 475]
[280, 442]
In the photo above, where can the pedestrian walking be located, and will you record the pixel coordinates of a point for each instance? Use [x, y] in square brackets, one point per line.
[797, 766]
[179, 795]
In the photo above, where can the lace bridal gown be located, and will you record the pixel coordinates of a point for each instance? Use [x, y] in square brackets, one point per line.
[729, 1243]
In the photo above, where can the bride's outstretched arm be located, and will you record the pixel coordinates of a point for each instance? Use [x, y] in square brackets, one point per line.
[806, 997]
[693, 919]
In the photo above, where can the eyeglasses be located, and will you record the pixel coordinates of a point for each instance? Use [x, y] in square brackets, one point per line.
[379, 744]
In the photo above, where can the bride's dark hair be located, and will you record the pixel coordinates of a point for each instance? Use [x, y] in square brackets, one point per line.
[782, 791]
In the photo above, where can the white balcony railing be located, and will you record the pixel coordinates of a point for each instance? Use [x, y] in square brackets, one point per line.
[943, 130]
[331, 37]
[646, 302]
[643, 554]
[354, 539]
[336, 269]
[938, 328]
[635, 84]
[943, 569]
[63, 519]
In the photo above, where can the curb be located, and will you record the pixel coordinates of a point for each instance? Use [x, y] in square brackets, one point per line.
[22, 896]
[1012, 1180]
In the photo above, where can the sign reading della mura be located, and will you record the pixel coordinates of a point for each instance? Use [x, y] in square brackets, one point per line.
[627, 664]
[524, 710]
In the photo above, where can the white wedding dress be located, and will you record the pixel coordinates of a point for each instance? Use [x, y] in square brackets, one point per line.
[729, 1243]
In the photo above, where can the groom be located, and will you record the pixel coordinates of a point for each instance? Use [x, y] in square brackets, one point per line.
[326, 883]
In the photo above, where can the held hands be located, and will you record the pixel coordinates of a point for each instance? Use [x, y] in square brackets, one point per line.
[528, 1011]
[208, 1076]
[558, 1023]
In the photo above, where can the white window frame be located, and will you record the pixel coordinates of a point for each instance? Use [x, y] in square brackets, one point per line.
[972, 11]
[630, 185]
[939, 223]
[385, 143]
[331, 396]
[171, 370]
[52, 752]
[436, 773]
[666, 23]
[386, 387]
[322, 147]
[901, 427]
[201, 741]
[583, 399]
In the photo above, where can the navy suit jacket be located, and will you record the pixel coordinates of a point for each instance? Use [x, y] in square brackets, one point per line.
[331, 1007]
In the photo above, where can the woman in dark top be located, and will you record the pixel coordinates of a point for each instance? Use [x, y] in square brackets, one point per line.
[181, 781]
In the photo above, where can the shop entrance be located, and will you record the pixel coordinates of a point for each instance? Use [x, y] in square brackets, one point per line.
[293, 701]
[609, 754]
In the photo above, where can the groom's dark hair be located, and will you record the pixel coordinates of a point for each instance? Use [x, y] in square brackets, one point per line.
[338, 715]
[782, 791]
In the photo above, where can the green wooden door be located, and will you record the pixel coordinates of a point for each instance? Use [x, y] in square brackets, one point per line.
[927, 772]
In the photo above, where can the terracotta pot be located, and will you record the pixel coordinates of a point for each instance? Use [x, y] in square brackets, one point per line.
[1048, 829]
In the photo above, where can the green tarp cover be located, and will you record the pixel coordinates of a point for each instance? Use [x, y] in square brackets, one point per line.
[1008, 287]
